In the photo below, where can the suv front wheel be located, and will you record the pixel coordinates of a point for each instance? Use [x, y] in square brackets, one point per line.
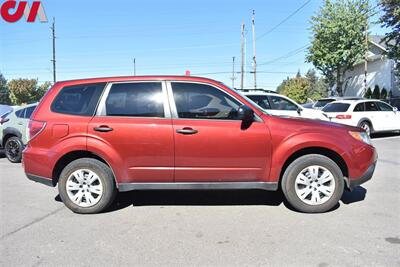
[313, 183]
[87, 186]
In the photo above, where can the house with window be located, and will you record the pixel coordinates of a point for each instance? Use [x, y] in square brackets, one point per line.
[380, 71]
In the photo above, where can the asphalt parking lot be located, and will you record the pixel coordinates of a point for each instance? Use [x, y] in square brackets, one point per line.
[215, 228]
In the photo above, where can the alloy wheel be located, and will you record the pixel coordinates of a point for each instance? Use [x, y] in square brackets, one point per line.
[12, 149]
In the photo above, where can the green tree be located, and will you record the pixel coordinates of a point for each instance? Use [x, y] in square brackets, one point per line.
[337, 41]
[297, 89]
[368, 93]
[391, 19]
[376, 94]
[384, 93]
[282, 85]
[318, 85]
[23, 91]
[4, 93]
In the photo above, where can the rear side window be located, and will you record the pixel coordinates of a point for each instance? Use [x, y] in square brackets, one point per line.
[336, 107]
[322, 102]
[359, 107]
[261, 100]
[28, 112]
[371, 106]
[78, 100]
[135, 100]
[20, 113]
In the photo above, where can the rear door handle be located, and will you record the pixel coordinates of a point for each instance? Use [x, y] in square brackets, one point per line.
[187, 131]
[103, 129]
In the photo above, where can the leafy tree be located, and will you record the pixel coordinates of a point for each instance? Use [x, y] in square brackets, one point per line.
[282, 85]
[296, 88]
[384, 93]
[368, 93]
[391, 19]
[337, 41]
[318, 85]
[4, 94]
[376, 94]
[23, 91]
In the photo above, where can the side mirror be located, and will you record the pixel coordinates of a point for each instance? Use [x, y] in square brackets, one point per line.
[395, 109]
[245, 113]
[299, 110]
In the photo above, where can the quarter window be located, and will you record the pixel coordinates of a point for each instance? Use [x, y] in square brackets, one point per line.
[29, 111]
[200, 101]
[20, 113]
[78, 100]
[359, 107]
[135, 100]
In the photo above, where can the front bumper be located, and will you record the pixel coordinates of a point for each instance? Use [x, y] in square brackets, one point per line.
[353, 183]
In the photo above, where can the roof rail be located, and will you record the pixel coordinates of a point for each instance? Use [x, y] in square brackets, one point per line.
[256, 89]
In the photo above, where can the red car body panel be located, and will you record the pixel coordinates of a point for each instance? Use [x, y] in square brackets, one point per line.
[149, 149]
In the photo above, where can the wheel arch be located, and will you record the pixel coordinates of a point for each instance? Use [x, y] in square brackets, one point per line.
[331, 154]
[10, 132]
[367, 120]
[74, 155]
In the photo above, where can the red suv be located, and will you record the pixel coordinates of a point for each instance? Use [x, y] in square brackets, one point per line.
[96, 137]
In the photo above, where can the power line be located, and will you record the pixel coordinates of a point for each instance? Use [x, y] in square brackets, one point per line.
[284, 20]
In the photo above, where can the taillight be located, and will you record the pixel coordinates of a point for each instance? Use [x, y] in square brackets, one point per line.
[343, 117]
[35, 127]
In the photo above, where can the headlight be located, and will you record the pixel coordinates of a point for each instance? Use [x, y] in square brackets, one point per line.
[361, 136]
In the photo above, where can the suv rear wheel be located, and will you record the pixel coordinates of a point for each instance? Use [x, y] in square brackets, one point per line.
[313, 183]
[13, 149]
[87, 186]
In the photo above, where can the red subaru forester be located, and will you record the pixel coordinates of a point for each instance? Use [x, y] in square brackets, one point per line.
[95, 137]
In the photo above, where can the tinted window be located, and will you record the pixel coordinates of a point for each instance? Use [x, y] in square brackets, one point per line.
[359, 107]
[135, 100]
[261, 100]
[200, 101]
[371, 106]
[280, 103]
[29, 111]
[322, 102]
[78, 100]
[20, 113]
[336, 107]
[384, 106]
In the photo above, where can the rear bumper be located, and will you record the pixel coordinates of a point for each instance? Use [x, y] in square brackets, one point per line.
[39, 179]
[353, 183]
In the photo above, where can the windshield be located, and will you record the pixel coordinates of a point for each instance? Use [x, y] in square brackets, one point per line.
[322, 102]
[336, 107]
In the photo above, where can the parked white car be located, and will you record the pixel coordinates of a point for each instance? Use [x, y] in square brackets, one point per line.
[369, 114]
[277, 104]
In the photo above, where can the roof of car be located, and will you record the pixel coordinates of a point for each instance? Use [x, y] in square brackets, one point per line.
[354, 101]
[138, 78]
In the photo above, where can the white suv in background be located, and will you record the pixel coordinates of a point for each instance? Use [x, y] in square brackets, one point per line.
[280, 105]
[369, 114]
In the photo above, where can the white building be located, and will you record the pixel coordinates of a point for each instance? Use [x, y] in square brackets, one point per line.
[380, 71]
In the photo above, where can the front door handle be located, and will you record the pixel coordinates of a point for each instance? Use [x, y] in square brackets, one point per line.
[103, 129]
[187, 131]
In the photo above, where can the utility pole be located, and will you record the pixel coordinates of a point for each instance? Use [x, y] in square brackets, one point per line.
[134, 66]
[233, 78]
[366, 55]
[243, 59]
[53, 30]
[253, 28]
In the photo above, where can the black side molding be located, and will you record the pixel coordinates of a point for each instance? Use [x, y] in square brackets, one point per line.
[39, 179]
[269, 186]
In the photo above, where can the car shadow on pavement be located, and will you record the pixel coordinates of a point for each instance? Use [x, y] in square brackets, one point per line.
[358, 194]
[196, 198]
[384, 134]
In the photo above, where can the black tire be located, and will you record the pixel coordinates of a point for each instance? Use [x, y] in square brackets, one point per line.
[106, 177]
[366, 126]
[297, 166]
[13, 149]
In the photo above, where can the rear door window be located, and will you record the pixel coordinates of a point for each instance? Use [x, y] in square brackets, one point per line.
[28, 112]
[371, 106]
[281, 103]
[78, 100]
[141, 99]
[20, 113]
[261, 100]
[336, 107]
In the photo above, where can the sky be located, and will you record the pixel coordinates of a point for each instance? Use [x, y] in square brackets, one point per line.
[98, 38]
